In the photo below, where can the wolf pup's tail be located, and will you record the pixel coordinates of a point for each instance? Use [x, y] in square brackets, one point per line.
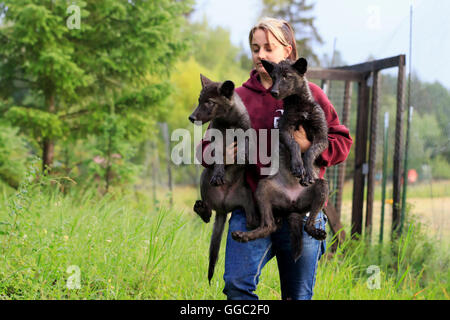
[216, 237]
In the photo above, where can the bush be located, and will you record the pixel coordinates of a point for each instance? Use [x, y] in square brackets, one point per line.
[13, 155]
[440, 168]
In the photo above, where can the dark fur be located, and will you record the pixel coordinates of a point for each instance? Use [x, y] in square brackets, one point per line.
[282, 193]
[223, 188]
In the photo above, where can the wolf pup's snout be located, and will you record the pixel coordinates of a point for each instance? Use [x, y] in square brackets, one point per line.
[192, 118]
[275, 93]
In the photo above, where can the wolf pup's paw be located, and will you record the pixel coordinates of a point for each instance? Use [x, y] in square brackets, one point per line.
[307, 179]
[239, 236]
[202, 210]
[298, 170]
[252, 223]
[316, 233]
[217, 180]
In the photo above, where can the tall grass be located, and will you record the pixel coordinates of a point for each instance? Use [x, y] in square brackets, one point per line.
[126, 247]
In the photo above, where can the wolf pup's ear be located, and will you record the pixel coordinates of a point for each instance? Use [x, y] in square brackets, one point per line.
[227, 89]
[268, 65]
[301, 65]
[204, 80]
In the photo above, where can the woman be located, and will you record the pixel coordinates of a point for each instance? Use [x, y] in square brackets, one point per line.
[274, 40]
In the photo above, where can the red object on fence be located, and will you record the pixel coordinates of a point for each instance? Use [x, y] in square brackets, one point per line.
[412, 175]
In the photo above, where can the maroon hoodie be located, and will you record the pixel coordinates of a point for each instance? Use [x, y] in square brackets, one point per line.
[264, 110]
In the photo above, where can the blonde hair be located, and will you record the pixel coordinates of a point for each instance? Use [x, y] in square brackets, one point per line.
[281, 30]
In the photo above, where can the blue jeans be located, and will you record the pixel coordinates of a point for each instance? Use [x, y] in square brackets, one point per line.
[244, 261]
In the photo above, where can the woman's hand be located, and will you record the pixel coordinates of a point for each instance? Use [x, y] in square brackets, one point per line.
[301, 138]
[231, 153]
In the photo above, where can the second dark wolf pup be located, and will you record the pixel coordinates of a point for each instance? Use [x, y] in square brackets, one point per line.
[222, 187]
[282, 192]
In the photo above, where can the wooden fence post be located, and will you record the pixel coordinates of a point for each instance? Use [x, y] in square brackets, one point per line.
[398, 146]
[372, 152]
[341, 167]
[360, 157]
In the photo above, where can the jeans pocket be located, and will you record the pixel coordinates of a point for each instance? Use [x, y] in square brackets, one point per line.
[320, 217]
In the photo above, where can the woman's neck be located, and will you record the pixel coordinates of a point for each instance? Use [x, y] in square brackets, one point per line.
[265, 80]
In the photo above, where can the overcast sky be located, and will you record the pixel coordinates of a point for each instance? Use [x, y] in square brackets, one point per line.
[379, 28]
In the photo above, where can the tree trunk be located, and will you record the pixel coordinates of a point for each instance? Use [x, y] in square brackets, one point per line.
[108, 163]
[48, 146]
[47, 154]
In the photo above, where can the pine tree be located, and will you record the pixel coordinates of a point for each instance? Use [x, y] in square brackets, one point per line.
[81, 60]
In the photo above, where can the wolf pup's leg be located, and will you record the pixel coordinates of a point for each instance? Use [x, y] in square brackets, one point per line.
[267, 223]
[297, 167]
[295, 221]
[309, 157]
[214, 245]
[218, 176]
[203, 210]
[318, 145]
[251, 215]
[320, 197]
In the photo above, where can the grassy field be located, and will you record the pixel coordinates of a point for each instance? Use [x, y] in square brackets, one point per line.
[124, 246]
[428, 203]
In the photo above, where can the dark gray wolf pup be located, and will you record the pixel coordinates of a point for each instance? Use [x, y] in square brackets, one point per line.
[282, 193]
[222, 187]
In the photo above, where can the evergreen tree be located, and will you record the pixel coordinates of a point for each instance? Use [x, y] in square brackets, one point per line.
[80, 61]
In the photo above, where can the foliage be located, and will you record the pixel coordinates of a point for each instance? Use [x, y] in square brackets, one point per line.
[212, 48]
[440, 167]
[118, 44]
[432, 100]
[36, 123]
[113, 153]
[430, 138]
[13, 155]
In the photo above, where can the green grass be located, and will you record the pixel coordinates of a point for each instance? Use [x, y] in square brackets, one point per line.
[126, 247]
